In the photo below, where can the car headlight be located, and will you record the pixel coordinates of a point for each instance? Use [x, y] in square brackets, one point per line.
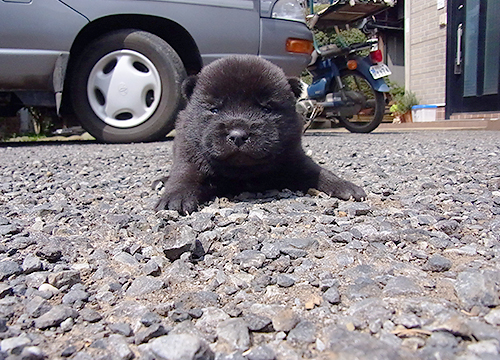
[289, 10]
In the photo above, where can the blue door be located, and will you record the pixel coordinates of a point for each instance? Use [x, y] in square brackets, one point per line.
[473, 56]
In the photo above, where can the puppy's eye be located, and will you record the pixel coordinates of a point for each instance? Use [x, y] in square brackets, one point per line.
[214, 110]
[267, 109]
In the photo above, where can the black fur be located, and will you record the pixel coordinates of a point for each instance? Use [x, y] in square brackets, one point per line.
[240, 132]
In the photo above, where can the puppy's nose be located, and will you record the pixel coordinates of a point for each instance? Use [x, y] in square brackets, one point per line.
[238, 137]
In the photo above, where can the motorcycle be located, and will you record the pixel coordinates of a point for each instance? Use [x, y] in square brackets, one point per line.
[347, 86]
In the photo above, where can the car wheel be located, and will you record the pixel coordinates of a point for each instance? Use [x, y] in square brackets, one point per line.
[126, 87]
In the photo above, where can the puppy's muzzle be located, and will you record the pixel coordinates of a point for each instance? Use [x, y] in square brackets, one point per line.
[237, 137]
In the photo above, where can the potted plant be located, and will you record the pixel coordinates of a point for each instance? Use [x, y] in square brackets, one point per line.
[402, 103]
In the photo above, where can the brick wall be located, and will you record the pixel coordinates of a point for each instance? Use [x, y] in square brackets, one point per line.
[427, 53]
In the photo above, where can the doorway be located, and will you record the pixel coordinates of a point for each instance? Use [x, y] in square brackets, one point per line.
[473, 56]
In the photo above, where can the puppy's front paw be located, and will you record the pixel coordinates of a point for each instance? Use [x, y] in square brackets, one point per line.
[346, 190]
[339, 188]
[184, 202]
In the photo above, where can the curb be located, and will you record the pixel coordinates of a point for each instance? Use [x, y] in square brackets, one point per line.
[442, 125]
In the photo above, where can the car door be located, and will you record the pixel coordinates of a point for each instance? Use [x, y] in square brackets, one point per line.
[218, 27]
[33, 35]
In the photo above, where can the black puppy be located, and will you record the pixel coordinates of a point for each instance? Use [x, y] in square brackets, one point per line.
[240, 132]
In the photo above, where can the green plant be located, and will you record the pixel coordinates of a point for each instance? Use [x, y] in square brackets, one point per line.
[306, 77]
[42, 119]
[342, 39]
[395, 89]
[24, 138]
[403, 103]
[401, 100]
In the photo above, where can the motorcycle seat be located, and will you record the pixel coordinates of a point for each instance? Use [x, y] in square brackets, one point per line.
[325, 51]
[330, 50]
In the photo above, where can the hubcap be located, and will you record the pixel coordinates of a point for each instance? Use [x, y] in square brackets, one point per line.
[124, 88]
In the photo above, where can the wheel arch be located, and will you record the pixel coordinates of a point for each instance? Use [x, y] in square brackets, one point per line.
[173, 33]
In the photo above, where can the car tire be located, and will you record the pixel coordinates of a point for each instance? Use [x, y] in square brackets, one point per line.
[126, 87]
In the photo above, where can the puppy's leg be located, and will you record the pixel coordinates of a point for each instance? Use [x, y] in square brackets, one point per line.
[309, 174]
[184, 190]
[331, 184]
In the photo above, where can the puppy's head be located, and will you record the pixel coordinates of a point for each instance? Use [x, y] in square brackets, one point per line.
[241, 111]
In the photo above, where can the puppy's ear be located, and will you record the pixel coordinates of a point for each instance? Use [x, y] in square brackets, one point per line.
[188, 86]
[296, 86]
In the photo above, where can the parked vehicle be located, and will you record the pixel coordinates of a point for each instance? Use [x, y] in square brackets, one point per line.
[347, 86]
[117, 66]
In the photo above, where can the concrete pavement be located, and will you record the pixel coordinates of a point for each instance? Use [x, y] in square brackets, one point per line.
[420, 126]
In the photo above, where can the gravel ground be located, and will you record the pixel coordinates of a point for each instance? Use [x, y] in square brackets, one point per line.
[89, 271]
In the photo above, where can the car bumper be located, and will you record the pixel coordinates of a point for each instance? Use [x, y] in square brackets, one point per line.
[274, 35]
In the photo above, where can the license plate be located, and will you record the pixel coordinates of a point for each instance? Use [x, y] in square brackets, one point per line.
[380, 70]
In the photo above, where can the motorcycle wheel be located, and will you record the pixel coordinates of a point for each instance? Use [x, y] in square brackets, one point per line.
[371, 115]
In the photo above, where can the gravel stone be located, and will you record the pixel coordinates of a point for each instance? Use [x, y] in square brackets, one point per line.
[180, 347]
[14, 344]
[447, 226]
[179, 240]
[192, 300]
[437, 263]
[5, 290]
[55, 316]
[37, 306]
[151, 268]
[31, 263]
[332, 295]
[3, 325]
[401, 285]
[70, 350]
[257, 322]
[477, 288]
[365, 346]
[284, 280]
[75, 295]
[363, 288]
[285, 320]
[412, 272]
[149, 333]
[250, 258]
[234, 332]
[121, 329]
[67, 325]
[9, 229]
[35, 280]
[270, 250]
[303, 332]
[120, 347]
[144, 285]
[487, 347]
[298, 247]
[262, 352]
[493, 317]
[126, 258]
[211, 318]
[90, 315]
[9, 268]
[50, 253]
[150, 318]
[355, 209]
[64, 278]
[343, 237]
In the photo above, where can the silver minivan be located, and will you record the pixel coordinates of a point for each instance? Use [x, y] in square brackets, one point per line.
[117, 65]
